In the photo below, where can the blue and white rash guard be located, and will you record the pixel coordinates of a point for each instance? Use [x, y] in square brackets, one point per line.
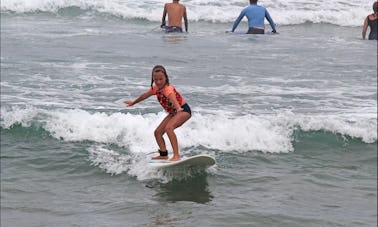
[255, 15]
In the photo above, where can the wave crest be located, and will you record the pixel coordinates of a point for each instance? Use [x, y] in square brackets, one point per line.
[217, 131]
[288, 12]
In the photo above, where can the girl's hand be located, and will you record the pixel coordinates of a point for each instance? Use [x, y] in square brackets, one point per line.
[128, 102]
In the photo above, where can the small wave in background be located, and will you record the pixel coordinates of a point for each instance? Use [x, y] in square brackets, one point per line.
[287, 12]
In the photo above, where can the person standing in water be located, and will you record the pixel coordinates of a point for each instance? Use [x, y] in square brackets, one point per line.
[172, 101]
[256, 15]
[176, 12]
[371, 21]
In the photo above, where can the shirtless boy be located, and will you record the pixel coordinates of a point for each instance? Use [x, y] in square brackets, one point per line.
[176, 12]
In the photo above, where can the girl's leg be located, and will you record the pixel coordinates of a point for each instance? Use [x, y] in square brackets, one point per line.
[175, 122]
[159, 132]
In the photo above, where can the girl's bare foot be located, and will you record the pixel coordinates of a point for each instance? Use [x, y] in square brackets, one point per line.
[175, 158]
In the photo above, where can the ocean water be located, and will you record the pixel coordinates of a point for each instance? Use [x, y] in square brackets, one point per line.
[291, 119]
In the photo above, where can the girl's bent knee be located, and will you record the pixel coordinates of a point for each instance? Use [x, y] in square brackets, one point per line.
[158, 133]
[169, 128]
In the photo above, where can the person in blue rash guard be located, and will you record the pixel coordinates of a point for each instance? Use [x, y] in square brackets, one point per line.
[255, 15]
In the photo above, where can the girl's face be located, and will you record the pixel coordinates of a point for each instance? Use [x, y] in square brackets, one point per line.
[160, 79]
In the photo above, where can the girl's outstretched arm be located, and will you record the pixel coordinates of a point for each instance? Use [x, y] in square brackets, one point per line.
[139, 99]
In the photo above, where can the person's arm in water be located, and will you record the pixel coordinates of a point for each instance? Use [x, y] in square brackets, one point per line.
[164, 15]
[142, 97]
[185, 20]
[364, 28]
[237, 21]
[271, 22]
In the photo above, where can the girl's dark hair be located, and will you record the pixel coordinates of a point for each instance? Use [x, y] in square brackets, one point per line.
[159, 68]
[375, 7]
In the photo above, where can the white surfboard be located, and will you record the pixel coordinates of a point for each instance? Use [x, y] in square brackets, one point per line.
[198, 161]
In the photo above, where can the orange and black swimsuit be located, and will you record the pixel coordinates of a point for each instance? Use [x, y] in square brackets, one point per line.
[163, 94]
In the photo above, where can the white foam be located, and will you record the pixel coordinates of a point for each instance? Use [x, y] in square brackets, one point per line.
[285, 12]
[216, 131]
[111, 161]
[18, 115]
[114, 163]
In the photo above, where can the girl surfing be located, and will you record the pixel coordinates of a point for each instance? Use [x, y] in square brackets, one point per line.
[172, 101]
